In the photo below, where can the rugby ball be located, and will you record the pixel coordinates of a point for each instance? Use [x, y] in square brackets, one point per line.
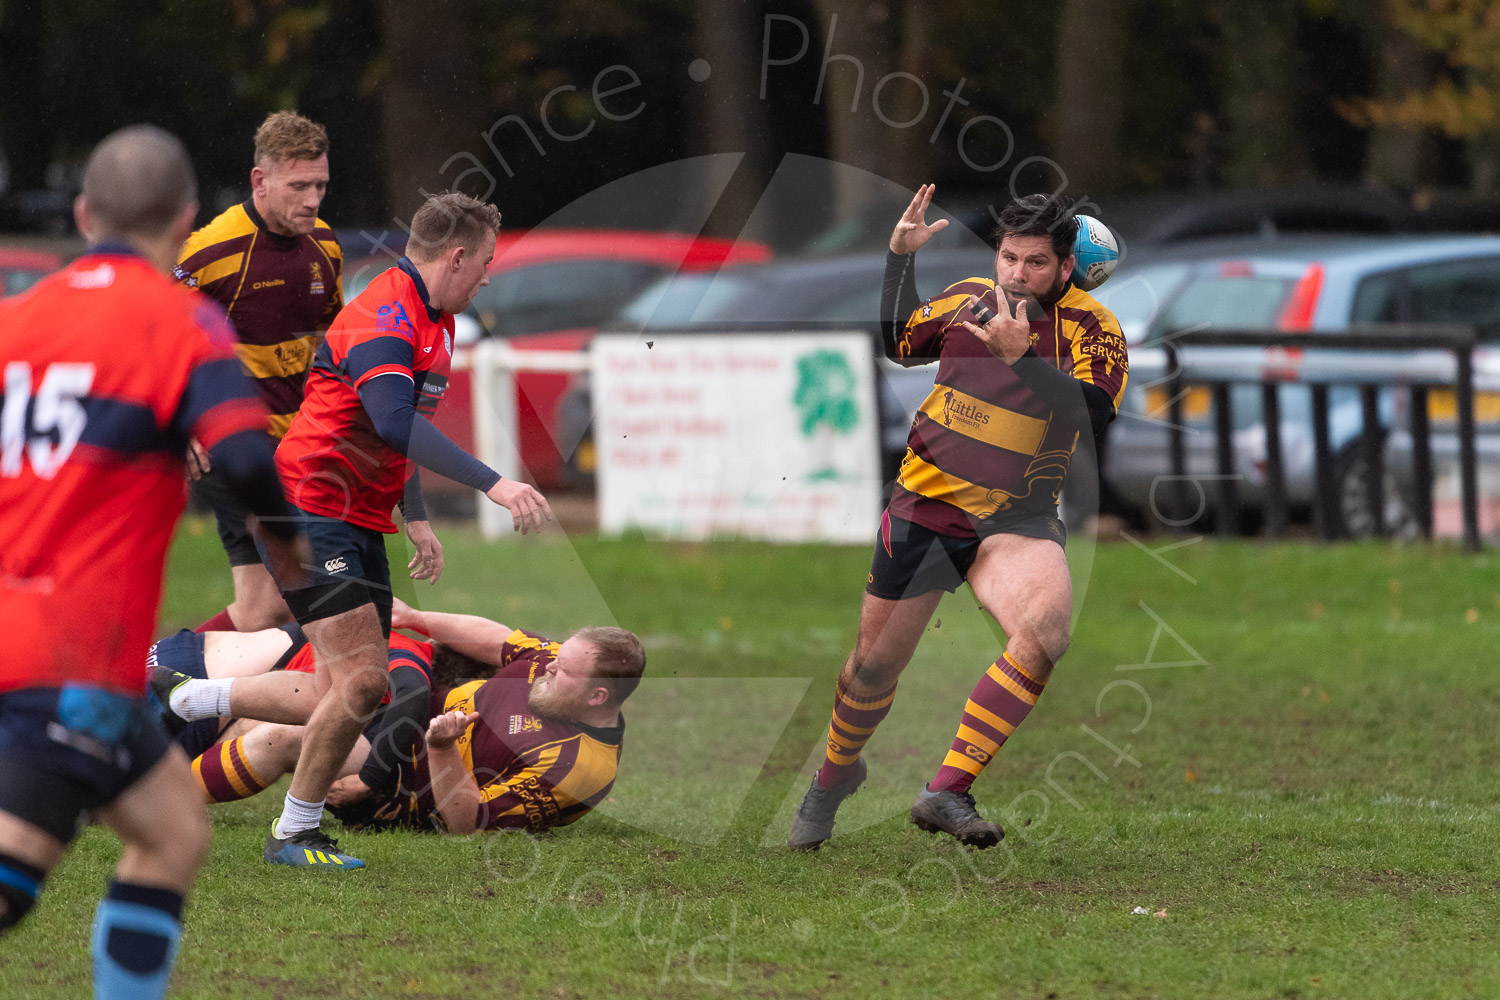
[1095, 253]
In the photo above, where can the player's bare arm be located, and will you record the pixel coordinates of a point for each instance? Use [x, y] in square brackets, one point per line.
[453, 787]
[475, 637]
[912, 232]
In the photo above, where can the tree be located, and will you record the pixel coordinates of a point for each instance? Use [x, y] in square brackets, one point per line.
[1089, 111]
[1464, 101]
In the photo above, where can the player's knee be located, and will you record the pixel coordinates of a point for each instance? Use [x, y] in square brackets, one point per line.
[20, 884]
[872, 673]
[190, 840]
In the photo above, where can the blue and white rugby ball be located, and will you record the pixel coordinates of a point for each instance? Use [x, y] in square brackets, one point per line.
[1095, 253]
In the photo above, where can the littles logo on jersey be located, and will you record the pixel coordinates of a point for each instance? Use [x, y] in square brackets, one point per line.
[336, 565]
[390, 319]
[524, 724]
[967, 414]
[317, 279]
[94, 277]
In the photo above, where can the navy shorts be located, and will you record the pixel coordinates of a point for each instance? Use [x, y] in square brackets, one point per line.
[64, 750]
[229, 517]
[911, 560]
[349, 570]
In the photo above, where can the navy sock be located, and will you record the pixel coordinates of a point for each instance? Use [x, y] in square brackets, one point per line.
[137, 930]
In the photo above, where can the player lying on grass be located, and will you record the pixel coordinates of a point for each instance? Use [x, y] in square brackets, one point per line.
[541, 738]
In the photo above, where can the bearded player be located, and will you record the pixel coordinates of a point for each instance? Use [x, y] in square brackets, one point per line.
[1028, 365]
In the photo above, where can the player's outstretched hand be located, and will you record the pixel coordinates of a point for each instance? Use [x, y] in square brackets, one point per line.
[1007, 335]
[527, 507]
[913, 232]
[445, 730]
[427, 562]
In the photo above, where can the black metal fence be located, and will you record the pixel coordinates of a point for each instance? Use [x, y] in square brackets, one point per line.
[1372, 360]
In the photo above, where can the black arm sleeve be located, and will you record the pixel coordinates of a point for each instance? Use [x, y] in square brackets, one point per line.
[402, 726]
[413, 503]
[898, 300]
[245, 462]
[1063, 392]
[388, 401]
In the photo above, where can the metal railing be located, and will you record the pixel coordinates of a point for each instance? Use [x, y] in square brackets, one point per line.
[1412, 358]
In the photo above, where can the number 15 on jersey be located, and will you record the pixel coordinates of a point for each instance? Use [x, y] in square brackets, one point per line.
[44, 425]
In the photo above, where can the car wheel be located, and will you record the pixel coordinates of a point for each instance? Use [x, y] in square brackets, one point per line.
[1351, 474]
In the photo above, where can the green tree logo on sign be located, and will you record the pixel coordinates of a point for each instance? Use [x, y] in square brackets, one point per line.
[826, 401]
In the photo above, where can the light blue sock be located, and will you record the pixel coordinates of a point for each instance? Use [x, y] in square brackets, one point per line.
[135, 948]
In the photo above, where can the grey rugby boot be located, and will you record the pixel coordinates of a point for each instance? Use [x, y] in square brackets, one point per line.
[955, 814]
[813, 823]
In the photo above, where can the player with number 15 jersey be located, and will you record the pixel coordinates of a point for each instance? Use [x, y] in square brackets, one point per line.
[108, 368]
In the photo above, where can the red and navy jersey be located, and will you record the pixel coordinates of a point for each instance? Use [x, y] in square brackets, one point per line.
[533, 772]
[332, 462]
[404, 651]
[107, 368]
[983, 442]
[280, 291]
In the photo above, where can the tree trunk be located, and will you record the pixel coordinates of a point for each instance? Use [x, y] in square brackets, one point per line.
[432, 101]
[1399, 157]
[728, 106]
[1262, 83]
[881, 133]
[1088, 116]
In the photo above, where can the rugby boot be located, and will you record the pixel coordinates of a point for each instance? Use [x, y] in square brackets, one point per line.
[165, 680]
[813, 823]
[309, 849]
[955, 814]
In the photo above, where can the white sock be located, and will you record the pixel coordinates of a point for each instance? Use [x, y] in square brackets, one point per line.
[201, 699]
[297, 816]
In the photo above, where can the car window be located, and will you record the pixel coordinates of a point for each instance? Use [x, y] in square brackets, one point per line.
[560, 295]
[1136, 298]
[685, 299]
[1459, 291]
[1226, 302]
[1378, 299]
[19, 279]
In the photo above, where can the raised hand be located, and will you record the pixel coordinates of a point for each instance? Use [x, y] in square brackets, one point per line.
[913, 232]
[445, 730]
[1006, 335]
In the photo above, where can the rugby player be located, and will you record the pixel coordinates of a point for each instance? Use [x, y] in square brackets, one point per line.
[347, 459]
[276, 269]
[547, 769]
[1028, 365]
[109, 369]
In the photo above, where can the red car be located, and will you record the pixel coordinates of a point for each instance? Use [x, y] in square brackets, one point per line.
[20, 269]
[549, 290]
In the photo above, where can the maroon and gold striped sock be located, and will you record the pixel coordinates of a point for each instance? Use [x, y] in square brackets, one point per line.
[224, 773]
[854, 720]
[998, 704]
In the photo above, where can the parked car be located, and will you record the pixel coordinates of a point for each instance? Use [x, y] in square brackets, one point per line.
[1318, 284]
[822, 292]
[20, 269]
[549, 289]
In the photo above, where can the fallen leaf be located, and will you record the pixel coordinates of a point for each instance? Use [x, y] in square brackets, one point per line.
[1471, 616]
[1323, 697]
[1189, 776]
[1161, 913]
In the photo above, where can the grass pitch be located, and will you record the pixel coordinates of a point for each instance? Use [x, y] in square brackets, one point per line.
[1284, 756]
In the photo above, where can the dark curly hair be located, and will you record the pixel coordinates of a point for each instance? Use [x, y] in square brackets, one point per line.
[1040, 215]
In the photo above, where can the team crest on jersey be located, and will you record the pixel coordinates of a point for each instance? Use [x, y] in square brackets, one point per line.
[391, 317]
[525, 724]
[317, 279]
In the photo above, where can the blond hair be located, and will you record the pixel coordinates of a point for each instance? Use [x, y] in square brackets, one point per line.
[449, 220]
[286, 135]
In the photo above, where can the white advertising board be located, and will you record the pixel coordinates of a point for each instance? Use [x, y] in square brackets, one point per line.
[768, 436]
